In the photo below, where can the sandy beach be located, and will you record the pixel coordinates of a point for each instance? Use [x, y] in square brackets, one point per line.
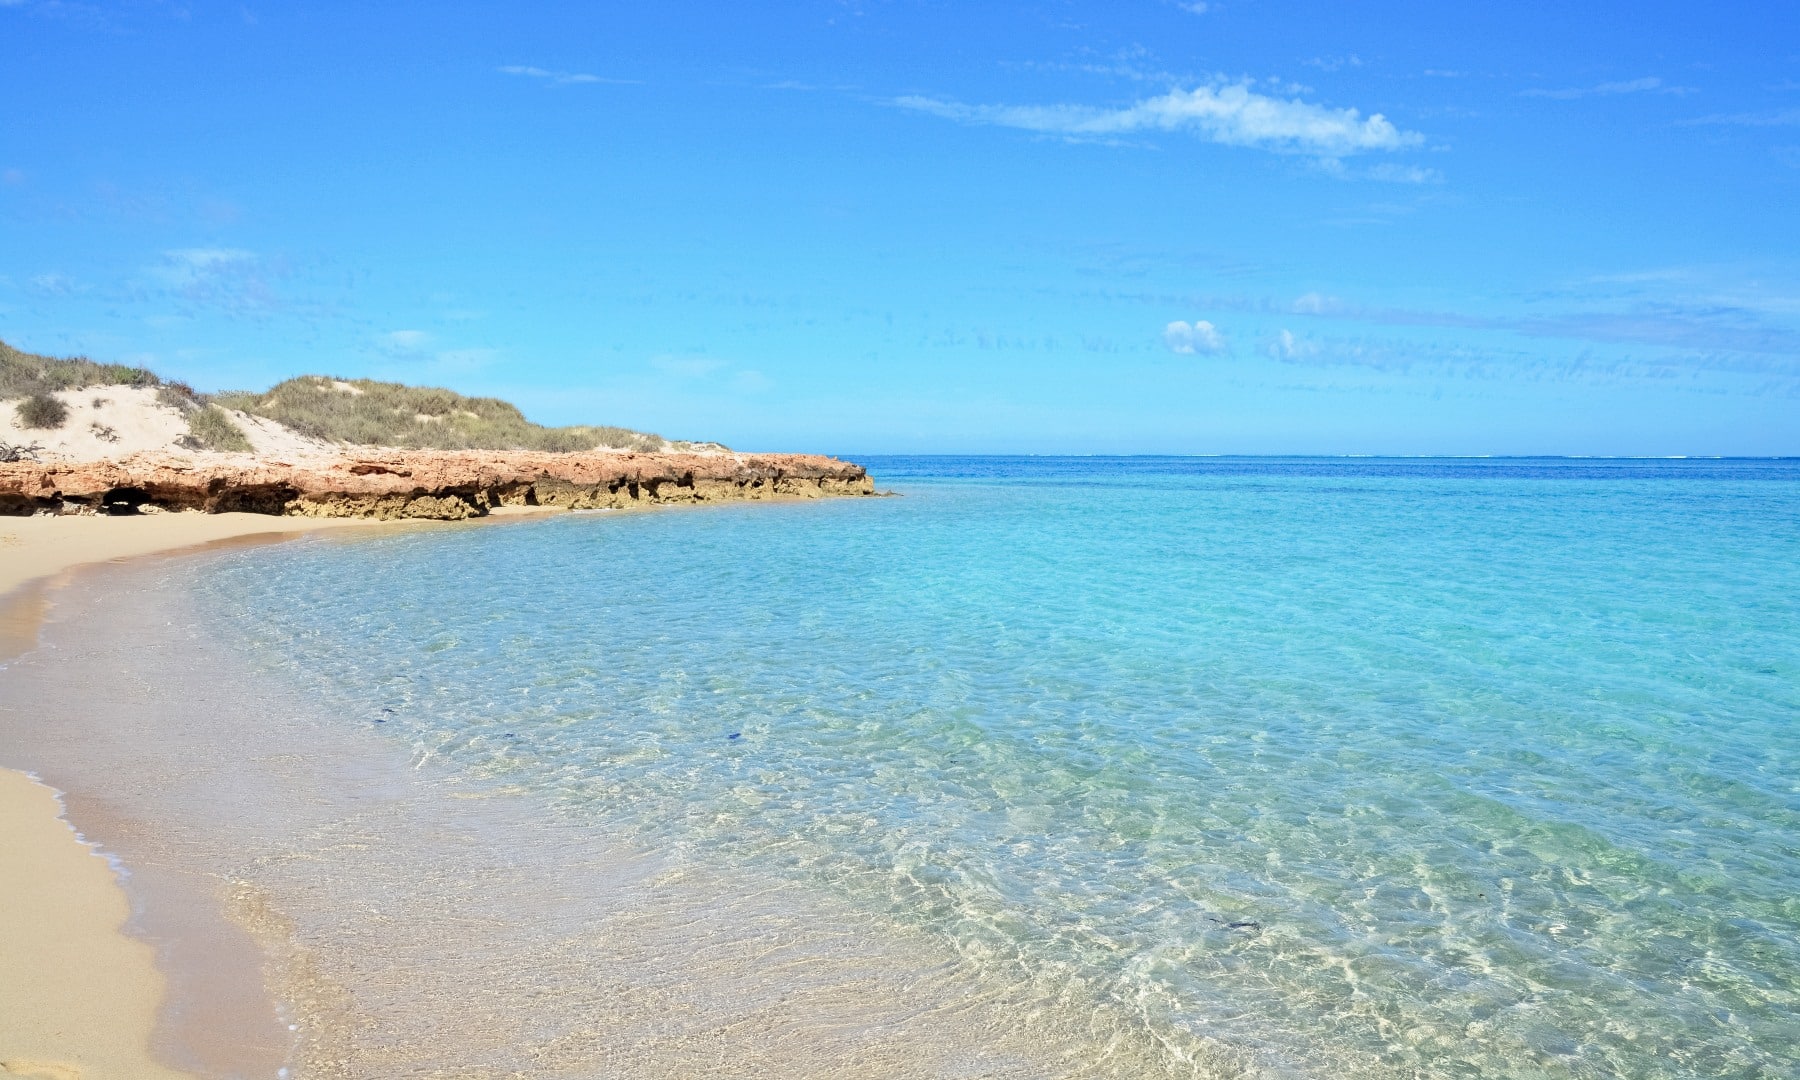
[79, 995]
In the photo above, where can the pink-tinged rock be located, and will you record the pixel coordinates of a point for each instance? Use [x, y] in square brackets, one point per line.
[443, 484]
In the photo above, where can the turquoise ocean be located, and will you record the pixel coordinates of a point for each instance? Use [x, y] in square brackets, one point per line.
[1350, 768]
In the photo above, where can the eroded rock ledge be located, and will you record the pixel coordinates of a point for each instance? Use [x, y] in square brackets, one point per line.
[445, 485]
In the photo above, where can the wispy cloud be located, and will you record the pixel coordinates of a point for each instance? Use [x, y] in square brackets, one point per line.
[404, 343]
[1231, 114]
[1198, 338]
[1290, 347]
[408, 350]
[1697, 368]
[1134, 64]
[230, 278]
[687, 367]
[199, 270]
[55, 284]
[711, 373]
[1704, 327]
[1647, 85]
[1772, 118]
[561, 78]
[1387, 172]
[465, 359]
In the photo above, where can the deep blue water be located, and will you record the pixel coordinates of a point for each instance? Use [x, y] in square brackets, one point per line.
[1361, 767]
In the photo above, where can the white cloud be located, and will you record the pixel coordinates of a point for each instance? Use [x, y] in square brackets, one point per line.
[1647, 85]
[1195, 7]
[1232, 114]
[1288, 347]
[1200, 338]
[1389, 172]
[404, 342]
[1316, 304]
[560, 78]
[203, 259]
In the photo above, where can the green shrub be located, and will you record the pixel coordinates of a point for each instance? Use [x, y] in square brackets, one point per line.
[209, 426]
[42, 411]
[124, 375]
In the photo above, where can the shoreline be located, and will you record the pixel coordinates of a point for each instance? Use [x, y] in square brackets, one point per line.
[76, 927]
[82, 995]
[348, 860]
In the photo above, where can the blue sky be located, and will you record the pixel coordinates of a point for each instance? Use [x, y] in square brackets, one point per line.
[1139, 227]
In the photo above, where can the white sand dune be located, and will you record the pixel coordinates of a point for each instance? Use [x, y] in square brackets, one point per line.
[113, 421]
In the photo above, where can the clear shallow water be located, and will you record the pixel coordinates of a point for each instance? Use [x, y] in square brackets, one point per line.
[1344, 769]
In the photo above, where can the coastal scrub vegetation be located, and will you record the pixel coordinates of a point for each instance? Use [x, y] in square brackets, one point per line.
[43, 412]
[366, 412]
[212, 428]
[360, 412]
[24, 374]
[209, 426]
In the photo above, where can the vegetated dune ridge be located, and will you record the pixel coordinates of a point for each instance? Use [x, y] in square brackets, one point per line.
[431, 484]
[74, 408]
[107, 438]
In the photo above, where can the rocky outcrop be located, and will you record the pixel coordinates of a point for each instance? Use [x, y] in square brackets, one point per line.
[438, 484]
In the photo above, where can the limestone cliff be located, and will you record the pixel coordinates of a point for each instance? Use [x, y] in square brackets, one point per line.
[438, 484]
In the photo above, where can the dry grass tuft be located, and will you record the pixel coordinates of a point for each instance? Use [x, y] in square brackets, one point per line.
[213, 430]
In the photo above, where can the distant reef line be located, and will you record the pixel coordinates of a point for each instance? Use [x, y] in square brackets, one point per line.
[441, 485]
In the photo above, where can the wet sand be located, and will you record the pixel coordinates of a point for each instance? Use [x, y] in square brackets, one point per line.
[81, 992]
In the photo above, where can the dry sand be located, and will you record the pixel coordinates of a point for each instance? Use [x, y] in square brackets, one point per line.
[113, 421]
[34, 548]
[79, 996]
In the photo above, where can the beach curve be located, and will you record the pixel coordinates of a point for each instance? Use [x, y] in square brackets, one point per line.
[81, 994]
